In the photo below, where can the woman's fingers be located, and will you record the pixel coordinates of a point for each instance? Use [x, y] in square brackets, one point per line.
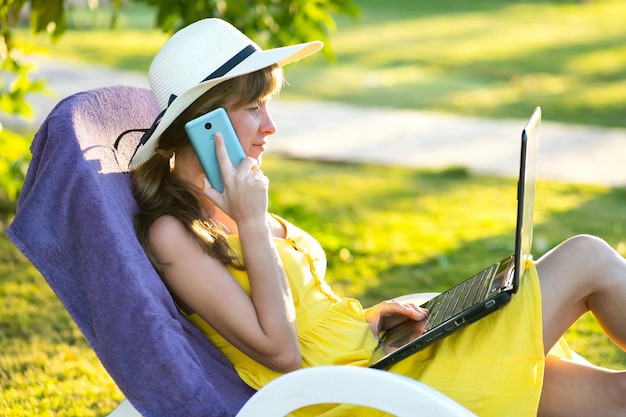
[391, 313]
[418, 312]
[410, 310]
[226, 167]
[245, 187]
[248, 169]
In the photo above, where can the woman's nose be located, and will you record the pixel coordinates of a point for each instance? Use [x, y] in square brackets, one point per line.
[268, 127]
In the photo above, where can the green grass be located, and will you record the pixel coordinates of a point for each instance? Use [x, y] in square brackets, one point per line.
[387, 231]
[46, 366]
[480, 58]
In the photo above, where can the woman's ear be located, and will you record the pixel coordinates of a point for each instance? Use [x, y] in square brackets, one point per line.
[200, 181]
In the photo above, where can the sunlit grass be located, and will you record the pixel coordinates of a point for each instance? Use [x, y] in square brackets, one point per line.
[603, 62]
[54, 379]
[129, 49]
[46, 366]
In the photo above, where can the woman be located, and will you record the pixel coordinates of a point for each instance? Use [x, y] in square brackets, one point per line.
[254, 283]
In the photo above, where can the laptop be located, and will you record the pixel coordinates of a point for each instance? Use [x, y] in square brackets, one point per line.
[483, 293]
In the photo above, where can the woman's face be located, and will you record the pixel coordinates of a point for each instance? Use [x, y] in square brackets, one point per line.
[253, 124]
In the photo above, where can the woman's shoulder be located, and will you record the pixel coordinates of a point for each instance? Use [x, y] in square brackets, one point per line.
[166, 231]
[165, 224]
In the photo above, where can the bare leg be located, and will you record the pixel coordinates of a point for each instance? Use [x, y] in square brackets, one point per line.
[571, 389]
[583, 273]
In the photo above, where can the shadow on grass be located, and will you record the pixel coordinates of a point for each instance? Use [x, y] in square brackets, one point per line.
[30, 310]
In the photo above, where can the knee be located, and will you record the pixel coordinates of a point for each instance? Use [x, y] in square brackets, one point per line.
[593, 261]
[587, 243]
[588, 249]
[586, 262]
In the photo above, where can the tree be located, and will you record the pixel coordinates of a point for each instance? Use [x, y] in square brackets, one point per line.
[270, 23]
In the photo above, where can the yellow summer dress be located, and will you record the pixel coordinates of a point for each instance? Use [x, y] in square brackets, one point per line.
[493, 367]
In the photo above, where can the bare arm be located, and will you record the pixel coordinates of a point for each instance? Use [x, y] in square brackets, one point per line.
[262, 324]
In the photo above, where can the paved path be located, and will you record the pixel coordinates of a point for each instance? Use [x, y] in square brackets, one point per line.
[333, 131]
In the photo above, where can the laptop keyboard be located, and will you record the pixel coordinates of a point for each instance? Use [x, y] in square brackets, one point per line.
[460, 297]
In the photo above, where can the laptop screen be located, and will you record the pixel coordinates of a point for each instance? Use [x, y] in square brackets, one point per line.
[530, 147]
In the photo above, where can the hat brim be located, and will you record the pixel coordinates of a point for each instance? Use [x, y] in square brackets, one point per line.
[258, 60]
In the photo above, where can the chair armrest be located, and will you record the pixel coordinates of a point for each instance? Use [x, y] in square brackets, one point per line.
[368, 387]
[417, 298]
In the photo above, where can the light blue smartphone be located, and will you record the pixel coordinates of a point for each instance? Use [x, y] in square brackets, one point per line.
[201, 132]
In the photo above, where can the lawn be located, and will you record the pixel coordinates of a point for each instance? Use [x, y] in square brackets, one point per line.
[387, 230]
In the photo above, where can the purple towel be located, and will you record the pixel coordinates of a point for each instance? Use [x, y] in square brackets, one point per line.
[74, 222]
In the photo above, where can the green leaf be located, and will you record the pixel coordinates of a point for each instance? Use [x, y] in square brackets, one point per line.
[14, 160]
[46, 12]
[270, 23]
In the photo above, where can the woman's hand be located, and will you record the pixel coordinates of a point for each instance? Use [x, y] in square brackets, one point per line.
[245, 187]
[390, 313]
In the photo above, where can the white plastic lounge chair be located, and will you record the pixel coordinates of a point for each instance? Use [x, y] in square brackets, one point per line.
[380, 390]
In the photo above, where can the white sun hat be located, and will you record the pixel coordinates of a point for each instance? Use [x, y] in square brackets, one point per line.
[197, 58]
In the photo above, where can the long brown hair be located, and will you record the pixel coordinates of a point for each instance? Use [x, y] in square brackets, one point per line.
[159, 193]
